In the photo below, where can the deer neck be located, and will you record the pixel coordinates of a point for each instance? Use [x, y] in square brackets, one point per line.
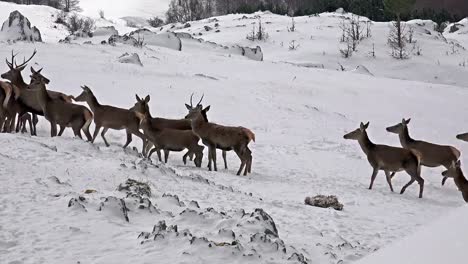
[93, 103]
[20, 82]
[405, 138]
[198, 122]
[42, 95]
[365, 143]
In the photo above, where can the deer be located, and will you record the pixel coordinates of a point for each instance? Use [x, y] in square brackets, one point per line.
[162, 123]
[432, 155]
[59, 112]
[110, 117]
[168, 139]
[223, 137]
[389, 159]
[27, 100]
[455, 172]
[6, 90]
[26, 118]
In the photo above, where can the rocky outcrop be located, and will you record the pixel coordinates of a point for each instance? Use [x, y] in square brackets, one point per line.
[18, 28]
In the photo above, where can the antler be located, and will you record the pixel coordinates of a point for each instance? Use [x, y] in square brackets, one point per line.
[10, 64]
[26, 61]
[191, 98]
[199, 103]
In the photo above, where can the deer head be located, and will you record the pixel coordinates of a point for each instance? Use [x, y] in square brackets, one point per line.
[37, 77]
[452, 171]
[85, 95]
[400, 127]
[141, 105]
[358, 133]
[14, 74]
[196, 111]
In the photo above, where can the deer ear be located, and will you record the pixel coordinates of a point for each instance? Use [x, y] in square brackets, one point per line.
[32, 70]
[207, 109]
[137, 97]
[458, 164]
[407, 121]
[21, 68]
[188, 107]
[147, 99]
[39, 71]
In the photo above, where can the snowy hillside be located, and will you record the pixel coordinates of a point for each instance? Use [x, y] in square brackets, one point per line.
[67, 201]
[123, 8]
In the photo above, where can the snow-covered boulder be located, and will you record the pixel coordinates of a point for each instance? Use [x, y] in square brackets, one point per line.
[167, 40]
[18, 28]
[361, 69]
[130, 58]
[105, 31]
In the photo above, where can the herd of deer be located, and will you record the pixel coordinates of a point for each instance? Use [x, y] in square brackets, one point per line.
[410, 158]
[27, 101]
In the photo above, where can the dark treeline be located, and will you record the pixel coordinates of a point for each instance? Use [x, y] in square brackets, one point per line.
[185, 10]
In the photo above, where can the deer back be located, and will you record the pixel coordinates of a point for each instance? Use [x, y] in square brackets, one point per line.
[393, 158]
[115, 118]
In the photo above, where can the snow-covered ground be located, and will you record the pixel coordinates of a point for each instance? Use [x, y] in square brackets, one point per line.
[299, 115]
[122, 8]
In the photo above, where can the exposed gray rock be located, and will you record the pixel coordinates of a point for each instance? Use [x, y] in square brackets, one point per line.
[18, 28]
[323, 201]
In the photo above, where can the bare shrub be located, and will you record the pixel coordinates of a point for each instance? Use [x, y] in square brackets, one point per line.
[101, 14]
[155, 22]
[77, 24]
[258, 33]
[397, 39]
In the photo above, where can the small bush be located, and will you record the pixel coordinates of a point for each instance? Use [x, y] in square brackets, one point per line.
[77, 24]
[155, 22]
[61, 18]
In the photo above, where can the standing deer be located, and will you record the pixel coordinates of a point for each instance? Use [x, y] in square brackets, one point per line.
[432, 155]
[389, 159]
[169, 139]
[455, 172]
[110, 117]
[26, 99]
[223, 137]
[58, 112]
[162, 123]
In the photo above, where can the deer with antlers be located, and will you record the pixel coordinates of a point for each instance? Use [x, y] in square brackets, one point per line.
[26, 99]
[58, 112]
[110, 117]
[389, 159]
[162, 123]
[223, 137]
[454, 171]
[432, 155]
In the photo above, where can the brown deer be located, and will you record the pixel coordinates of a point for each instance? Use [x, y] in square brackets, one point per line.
[223, 137]
[454, 171]
[389, 159]
[162, 123]
[168, 139]
[26, 99]
[432, 155]
[58, 112]
[6, 90]
[110, 117]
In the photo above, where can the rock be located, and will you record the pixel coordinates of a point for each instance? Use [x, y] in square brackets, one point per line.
[18, 28]
[323, 201]
[208, 28]
[115, 207]
[340, 11]
[105, 31]
[134, 187]
[187, 25]
[167, 39]
[130, 59]
[125, 39]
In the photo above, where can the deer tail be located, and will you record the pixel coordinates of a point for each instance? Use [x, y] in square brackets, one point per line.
[418, 157]
[249, 134]
[8, 90]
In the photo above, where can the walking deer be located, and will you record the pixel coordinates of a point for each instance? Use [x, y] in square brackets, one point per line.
[223, 137]
[389, 159]
[58, 112]
[110, 117]
[168, 139]
[432, 155]
[455, 172]
[162, 123]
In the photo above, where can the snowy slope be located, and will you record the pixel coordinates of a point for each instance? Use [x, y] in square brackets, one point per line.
[299, 116]
[443, 241]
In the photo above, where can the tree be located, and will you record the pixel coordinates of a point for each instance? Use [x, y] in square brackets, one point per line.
[399, 7]
[397, 36]
[71, 5]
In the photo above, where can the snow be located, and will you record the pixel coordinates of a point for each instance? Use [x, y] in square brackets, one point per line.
[446, 238]
[120, 8]
[52, 188]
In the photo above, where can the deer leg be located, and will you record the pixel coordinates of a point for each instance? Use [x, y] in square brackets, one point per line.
[35, 120]
[374, 174]
[225, 161]
[408, 184]
[249, 159]
[53, 129]
[12, 123]
[166, 155]
[30, 127]
[129, 139]
[96, 132]
[86, 132]
[62, 129]
[77, 131]
[184, 158]
[389, 180]
[241, 157]
[18, 124]
[191, 156]
[210, 156]
[103, 133]
[213, 155]
[392, 175]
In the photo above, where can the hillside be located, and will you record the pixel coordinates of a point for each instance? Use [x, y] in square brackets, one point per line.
[61, 200]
